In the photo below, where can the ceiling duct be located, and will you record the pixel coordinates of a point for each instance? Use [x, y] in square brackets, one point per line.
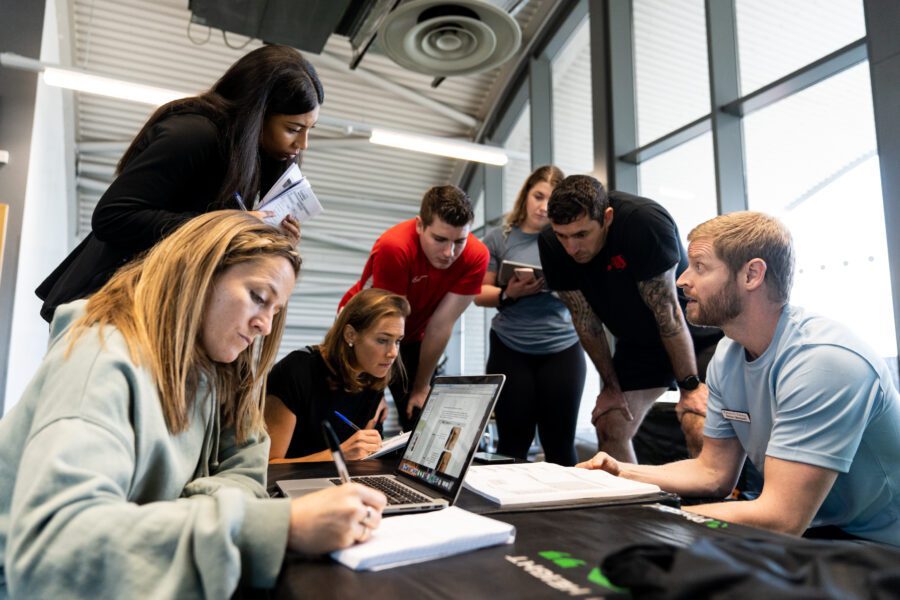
[444, 38]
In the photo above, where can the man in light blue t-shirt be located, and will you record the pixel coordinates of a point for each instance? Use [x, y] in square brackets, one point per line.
[812, 406]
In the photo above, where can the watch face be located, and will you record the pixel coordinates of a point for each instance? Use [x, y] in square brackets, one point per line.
[691, 382]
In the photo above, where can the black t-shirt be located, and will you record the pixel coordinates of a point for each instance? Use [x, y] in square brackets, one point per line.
[643, 242]
[301, 381]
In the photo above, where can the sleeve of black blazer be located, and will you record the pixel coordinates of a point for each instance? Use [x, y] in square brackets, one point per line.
[175, 177]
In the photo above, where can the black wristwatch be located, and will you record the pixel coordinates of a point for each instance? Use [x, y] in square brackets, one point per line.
[691, 382]
[505, 300]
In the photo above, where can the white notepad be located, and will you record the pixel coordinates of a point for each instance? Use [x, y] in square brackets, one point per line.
[409, 539]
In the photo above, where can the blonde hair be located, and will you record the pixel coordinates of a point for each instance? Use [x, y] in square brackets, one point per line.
[362, 312]
[739, 237]
[549, 173]
[159, 301]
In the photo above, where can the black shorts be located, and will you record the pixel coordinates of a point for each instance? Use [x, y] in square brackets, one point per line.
[645, 366]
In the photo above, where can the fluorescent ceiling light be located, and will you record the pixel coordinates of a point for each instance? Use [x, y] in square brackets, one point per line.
[440, 146]
[90, 83]
[107, 86]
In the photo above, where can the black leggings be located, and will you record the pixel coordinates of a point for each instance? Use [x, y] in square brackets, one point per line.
[542, 390]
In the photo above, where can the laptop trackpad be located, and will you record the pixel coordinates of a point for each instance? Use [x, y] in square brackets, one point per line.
[295, 488]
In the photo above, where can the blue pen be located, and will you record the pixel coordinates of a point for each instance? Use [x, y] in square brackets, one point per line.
[240, 201]
[347, 421]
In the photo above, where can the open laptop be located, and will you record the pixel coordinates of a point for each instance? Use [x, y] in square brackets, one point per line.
[439, 452]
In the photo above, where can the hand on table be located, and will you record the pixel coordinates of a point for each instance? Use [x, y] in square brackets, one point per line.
[602, 461]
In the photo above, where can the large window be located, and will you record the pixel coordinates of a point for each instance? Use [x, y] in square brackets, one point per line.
[573, 143]
[671, 74]
[777, 37]
[812, 161]
[684, 181]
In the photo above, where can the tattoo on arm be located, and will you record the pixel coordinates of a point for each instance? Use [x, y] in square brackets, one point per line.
[661, 298]
[583, 317]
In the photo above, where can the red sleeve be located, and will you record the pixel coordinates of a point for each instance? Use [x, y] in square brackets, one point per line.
[476, 256]
[390, 266]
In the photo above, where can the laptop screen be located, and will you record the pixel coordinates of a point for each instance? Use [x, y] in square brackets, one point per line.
[446, 437]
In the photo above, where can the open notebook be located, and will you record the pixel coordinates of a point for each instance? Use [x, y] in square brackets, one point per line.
[439, 452]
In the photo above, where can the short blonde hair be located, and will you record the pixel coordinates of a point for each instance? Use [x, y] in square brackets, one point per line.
[739, 237]
[158, 302]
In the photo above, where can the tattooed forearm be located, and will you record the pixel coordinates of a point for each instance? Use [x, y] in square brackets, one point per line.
[661, 298]
[583, 316]
[592, 335]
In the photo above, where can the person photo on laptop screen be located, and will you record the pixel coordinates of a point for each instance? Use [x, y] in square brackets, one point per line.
[342, 380]
[141, 439]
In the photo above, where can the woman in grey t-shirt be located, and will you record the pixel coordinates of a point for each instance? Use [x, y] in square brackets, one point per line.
[533, 341]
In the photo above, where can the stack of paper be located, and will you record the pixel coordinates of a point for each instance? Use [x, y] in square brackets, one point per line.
[409, 539]
[543, 483]
[291, 195]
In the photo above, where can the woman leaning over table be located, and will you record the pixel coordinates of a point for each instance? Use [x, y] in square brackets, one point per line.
[134, 466]
[346, 374]
[213, 151]
[533, 341]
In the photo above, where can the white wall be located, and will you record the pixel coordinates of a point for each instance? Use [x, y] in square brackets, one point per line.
[45, 221]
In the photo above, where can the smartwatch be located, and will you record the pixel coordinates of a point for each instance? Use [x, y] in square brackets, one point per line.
[689, 383]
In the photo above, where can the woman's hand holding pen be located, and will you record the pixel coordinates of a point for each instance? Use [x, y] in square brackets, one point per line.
[334, 518]
[361, 444]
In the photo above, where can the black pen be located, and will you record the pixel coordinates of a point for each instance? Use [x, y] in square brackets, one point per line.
[335, 446]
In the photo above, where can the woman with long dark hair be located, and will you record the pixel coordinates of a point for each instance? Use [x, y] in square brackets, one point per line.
[216, 150]
[533, 341]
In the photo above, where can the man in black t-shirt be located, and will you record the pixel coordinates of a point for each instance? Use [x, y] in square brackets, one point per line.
[614, 259]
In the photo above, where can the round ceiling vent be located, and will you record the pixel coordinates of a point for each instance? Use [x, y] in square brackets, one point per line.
[443, 38]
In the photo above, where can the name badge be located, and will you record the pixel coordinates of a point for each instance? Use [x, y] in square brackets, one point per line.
[736, 415]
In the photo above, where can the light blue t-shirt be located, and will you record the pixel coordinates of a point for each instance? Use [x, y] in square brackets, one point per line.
[820, 396]
[538, 324]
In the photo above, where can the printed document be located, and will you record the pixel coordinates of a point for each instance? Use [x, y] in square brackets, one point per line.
[543, 483]
[291, 195]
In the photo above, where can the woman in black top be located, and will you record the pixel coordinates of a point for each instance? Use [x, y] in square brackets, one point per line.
[216, 150]
[345, 374]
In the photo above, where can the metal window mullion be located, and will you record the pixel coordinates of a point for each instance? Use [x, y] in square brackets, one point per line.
[724, 86]
[540, 84]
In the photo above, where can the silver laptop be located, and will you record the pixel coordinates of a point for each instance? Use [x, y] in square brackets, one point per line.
[439, 452]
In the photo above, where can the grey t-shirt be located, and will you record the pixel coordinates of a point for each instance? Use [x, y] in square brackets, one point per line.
[538, 324]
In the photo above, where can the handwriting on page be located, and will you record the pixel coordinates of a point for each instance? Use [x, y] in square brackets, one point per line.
[299, 201]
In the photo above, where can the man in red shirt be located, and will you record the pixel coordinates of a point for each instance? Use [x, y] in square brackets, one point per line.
[438, 265]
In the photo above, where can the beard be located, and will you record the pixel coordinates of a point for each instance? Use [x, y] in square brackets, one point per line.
[720, 308]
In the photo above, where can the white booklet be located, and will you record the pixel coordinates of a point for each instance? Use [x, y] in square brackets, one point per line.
[291, 195]
[409, 539]
[391, 444]
[547, 484]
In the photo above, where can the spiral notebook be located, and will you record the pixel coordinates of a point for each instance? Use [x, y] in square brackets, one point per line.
[409, 539]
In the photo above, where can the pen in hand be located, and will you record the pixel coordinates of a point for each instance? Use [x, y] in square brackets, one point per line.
[347, 421]
[335, 446]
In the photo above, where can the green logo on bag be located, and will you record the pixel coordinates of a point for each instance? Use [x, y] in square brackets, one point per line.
[561, 559]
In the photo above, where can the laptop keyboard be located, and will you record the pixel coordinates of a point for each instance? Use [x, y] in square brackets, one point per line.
[395, 492]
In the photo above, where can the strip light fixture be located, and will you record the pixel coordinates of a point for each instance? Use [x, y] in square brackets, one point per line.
[90, 83]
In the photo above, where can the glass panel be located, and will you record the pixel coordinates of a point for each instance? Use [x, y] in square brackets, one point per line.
[812, 161]
[518, 168]
[671, 73]
[776, 37]
[573, 142]
[684, 181]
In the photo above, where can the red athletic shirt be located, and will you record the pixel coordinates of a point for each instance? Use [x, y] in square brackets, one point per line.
[398, 264]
